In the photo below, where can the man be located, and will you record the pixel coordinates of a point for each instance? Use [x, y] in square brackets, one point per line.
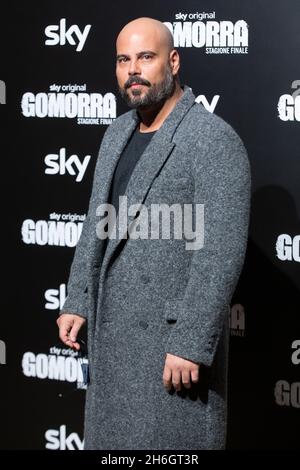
[156, 309]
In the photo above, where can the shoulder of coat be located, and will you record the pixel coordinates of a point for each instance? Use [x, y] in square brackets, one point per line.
[122, 120]
[205, 125]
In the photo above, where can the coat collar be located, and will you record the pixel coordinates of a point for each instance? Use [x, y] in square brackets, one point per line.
[148, 165]
[166, 131]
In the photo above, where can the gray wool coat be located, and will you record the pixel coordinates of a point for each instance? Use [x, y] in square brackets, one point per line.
[144, 298]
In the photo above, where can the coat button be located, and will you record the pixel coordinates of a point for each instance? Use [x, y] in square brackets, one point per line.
[143, 324]
[145, 279]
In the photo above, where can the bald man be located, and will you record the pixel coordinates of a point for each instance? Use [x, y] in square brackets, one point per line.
[157, 308]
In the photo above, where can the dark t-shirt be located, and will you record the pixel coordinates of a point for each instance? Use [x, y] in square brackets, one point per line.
[125, 166]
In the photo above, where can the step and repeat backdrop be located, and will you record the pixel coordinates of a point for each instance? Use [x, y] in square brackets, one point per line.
[58, 94]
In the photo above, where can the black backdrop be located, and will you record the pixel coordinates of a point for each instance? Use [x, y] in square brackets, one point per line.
[256, 87]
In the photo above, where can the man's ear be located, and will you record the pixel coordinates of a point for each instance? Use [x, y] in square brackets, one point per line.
[174, 60]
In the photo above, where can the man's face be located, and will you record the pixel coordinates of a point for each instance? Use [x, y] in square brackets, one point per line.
[143, 70]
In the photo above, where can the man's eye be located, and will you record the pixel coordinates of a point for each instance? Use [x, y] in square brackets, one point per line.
[147, 56]
[122, 59]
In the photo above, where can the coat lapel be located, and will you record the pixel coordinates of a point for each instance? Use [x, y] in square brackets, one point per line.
[147, 167]
[111, 156]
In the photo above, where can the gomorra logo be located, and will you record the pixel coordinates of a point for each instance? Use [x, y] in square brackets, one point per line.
[51, 232]
[70, 105]
[219, 37]
[289, 104]
[64, 365]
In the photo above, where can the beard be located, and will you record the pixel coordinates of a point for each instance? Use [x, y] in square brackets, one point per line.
[156, 94]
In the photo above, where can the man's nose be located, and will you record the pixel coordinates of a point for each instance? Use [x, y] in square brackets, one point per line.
[134, 68]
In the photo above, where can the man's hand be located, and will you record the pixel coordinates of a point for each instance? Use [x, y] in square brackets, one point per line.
[179, 371]
[69, 326]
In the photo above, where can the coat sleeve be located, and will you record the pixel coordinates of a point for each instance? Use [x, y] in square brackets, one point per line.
[222, 184]
[76, 300]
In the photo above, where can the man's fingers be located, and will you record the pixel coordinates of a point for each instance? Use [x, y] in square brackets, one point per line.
[195, 375]
[69, 327]
[75, 329]
[69, 343]
[167, 376]
[64, 330]
[180, 372]
[176, 379]
[74, 345]
[186, 379]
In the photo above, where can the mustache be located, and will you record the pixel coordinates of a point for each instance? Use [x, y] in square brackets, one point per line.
[136, 79]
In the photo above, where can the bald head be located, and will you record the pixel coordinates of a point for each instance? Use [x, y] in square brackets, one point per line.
[149, 28]
[146, 64]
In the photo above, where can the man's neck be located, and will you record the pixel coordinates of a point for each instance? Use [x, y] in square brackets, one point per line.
[152, 119]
